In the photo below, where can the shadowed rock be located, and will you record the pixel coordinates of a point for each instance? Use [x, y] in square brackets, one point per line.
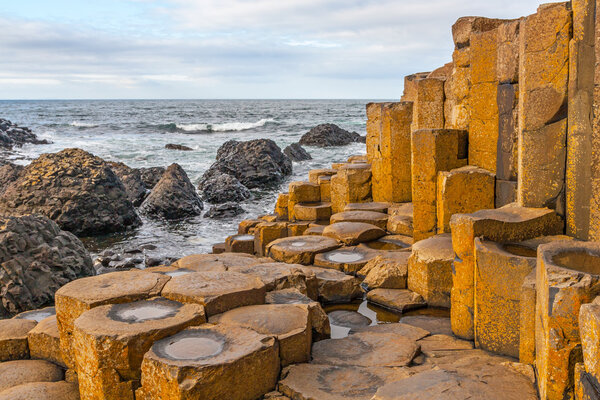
[173, 146]
[13, 135]
[225, 210]
[131, 178]
[8, 174]
[14, 373]
[221, 188]
[42, 390]
[300, 249]
[295, 152]
[151, 175]
[326, 135]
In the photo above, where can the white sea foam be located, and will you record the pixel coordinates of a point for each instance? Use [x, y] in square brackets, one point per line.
[82, 124]
[224, 127]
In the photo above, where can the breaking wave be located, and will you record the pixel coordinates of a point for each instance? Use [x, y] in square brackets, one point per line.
[82, 124]
[224, 127]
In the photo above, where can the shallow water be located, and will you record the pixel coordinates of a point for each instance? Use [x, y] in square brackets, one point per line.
[136, 131]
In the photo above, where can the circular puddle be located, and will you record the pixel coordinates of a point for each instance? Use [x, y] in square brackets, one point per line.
[191, 345]
[144, 311]
[344, 257]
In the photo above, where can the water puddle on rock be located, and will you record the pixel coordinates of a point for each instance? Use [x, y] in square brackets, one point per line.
[192, 348]
[344, 257]
[377, 315]
[177, 273]
[244, 237]
[143, 311]
[298, 244]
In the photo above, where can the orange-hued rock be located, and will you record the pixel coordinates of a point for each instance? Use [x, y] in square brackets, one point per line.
[507, 67]
[543, 84]
[13, 338]
[312, 211]
[509, 223]
[289, 323]
[381, 207]
[219, 248]
[37, 315]
[315, 174]
[216, 262]
[302, 192]
[19, 372]
[428, 106]
[44, 341]
[315, 230]
[430, 270]
[568, 276]
[527, 301]
[465, 26]
[433, 150]
[325, 187]
[387, 271]
[298, 228]
[388, 150]
[400, 300]
[268, 217]
[353, 233]
[247, 225]
[462, 191]
[351, 184]
[410, 86]
[278, 276]
[216, 291]
[335, 286]
[300, 249]
[281, 206]
[376, 218]
[240, 244]
[589, 328]
[585, 386]
[390, 242]
[110, 341]
[60, 390]
[345, 259]
[266, 233]
[210, 362]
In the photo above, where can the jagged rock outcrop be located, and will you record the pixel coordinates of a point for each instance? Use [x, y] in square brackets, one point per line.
[14, 135]
[326, 135]
[256, 163]
[131, 178]
[151, 175]
[8, 174]
[173, 197]
[295, 152]
[77, 190]
[36, 259]
[225, 210]
[221, 188]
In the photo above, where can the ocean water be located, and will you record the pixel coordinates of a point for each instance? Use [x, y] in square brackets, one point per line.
[136, 131]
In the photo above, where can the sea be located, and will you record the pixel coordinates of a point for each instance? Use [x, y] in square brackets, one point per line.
[136, 131]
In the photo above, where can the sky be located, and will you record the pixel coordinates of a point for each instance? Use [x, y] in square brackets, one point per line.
[206, 49]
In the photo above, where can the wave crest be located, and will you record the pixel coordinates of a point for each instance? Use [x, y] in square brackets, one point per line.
[78, 124]
[224, 127]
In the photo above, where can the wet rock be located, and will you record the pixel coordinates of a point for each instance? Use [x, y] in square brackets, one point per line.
[295, 152]
[37, 315]
[225, 210]
[44, 341]
[300, 249]
[131, 178]
[326, 135]
[37, 258]
[435, 325]
[173, 197]
[8, 174]
[346, 259]
[256, 163]
[13, 135]
[13, 338]
[400, 300]
[77, 190]
[209, 362]
[14, 373]
[348, 319]
[221, 188]
[172, 146]
[42, 390]
[151, 175]
[390, 242]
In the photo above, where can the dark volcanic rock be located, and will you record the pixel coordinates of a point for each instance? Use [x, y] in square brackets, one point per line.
[172, 146]
[14, 135]
[226, 210]
[296, 152]
[257, 163]
[326, 135]
[36, 259]
[221, 188]
[132, 180]
[77, 190]
[8, 174]
[151, 175]
[173, 197]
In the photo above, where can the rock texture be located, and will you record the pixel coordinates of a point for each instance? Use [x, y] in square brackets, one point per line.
[131, 178]
[77, 190]
[295, 152]
[221, 188]
[151, 175]
[173, 197]
[13, 135]
[225, 210]
[8, 174]
[327, 135]
[36, 258]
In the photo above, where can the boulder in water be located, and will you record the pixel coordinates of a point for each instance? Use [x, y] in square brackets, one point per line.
[221, 188]
[173, 197]
[172, 146]
[327, 135]
[295, 152]
[14, 135]
[132, 180]
[225, 210]
[151, 175]
[37, 258]
[77, 190]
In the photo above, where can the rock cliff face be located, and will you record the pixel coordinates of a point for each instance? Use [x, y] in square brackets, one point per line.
[326, 135]
[36, 259]
[74, 188]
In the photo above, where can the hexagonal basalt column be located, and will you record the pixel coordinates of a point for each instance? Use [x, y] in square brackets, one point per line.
[216, 262]
[302, 192]
[266, 233]
[568, 275]
[319, 211]
[210, 362]
[351, 184]
[589, 326]
[110, 341]
[240, 244]
[378, 219]
[353, 233]
[325, 186]
[381, 207]
[300, 249]
[216, 291]
[277, 276]
[44, 341]
[347, 259]
[386, 271]
[37, 315]
[336, 286]
[315, 174]
[81, 295]
[289, 323]
[281, 206]
[13, 338]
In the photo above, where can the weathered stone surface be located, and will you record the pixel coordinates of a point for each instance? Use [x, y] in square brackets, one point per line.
[173, 197]
[295, 152]
[527, 301]
[465, 26]
[312, 211]
[83, 294]
[369, 217]
[400, 300]
[462, 191]
[131, 179]
[221, 188]
[247, 226]
[37, 315]
[216, 291]
[400, 225]
[585, 384]
[330, 382]
[302, 192]
[44, 341]
[325, 188]
[14, 373]
[353, 233]
[278, 276]
[267, 232]
[509, 223]
[507, 68]
[289, 323]
[430, 270]
[433, 150]
[8, 174]
[410, 86]
[12, 134]
[42, 390]
[300, 249]
[435, 325]
[240, 244]
[210, 362]
[326, 135]
[507, 154]
[110, 341]
[506, 192]
[336, 286]
[390, 242]
[386, 271]
[381, 207]
[568, 275]
[36, 259]
[75, 189]
[13, 338]
[347, 259]
[589, 327]
[225, 210]
[348, 319]
[217, 262]
[315, 174]
[428, 106]
[351, 184]
[256, 163]
[151, 175]
[281, 206]
[315, 230]
[543, 53]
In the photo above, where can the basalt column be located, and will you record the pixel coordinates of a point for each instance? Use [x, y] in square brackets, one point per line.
[543, 83]
[594, 228]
